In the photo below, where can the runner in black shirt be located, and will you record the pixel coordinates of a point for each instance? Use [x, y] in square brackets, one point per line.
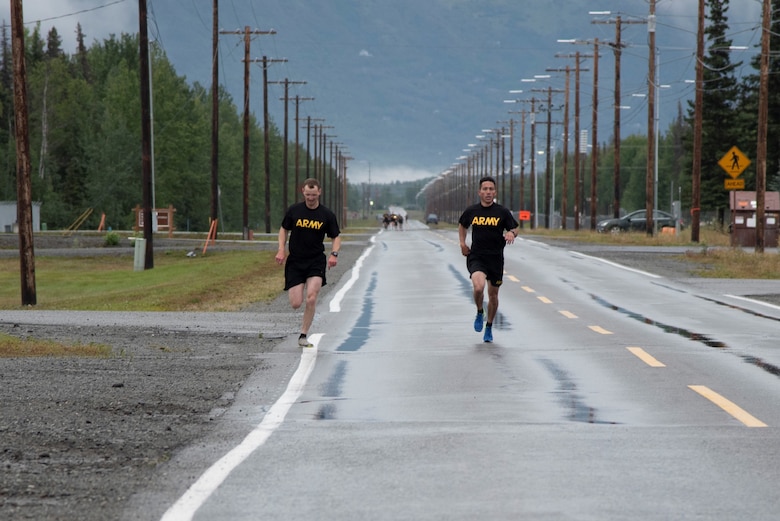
[488, 221]
[308, 223]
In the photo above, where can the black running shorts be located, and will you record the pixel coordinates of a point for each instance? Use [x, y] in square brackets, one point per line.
[297, 270]
[492, 266]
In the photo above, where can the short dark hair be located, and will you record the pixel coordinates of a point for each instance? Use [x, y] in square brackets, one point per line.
[486, 179]
[311, 183]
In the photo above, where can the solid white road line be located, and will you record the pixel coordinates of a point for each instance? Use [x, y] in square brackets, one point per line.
[186, 506]
[335, 303]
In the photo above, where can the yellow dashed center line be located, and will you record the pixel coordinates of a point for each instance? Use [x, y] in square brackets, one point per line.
[645, 357]
[600, 330]
[725, 404]
[728, 406]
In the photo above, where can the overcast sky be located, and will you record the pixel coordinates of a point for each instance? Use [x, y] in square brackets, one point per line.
[101, 18]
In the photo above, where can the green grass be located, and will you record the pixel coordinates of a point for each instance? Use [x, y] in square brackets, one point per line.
[217, 281]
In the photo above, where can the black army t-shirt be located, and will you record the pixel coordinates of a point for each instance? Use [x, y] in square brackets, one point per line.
[308, 229]
[487, 225]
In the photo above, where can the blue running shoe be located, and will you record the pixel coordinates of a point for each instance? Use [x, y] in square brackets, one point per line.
[479, 321]
[488, 334]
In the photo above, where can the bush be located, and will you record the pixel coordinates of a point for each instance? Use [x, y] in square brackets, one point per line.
[112, 239]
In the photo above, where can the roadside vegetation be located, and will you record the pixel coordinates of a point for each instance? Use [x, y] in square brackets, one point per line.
[11, 346]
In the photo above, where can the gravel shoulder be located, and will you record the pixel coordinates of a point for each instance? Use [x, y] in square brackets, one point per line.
[80, 436]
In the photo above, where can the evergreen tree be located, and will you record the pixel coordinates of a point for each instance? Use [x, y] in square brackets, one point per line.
[749, 106]
[81, 53]
[54, 45]
[720, 130]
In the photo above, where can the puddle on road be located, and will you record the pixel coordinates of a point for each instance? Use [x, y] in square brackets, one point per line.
[356, 339]
[500, 322]
[579, 411]
[359, 333]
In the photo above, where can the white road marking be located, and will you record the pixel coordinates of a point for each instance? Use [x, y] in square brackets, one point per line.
[185, 507]
[335, 303]
[615, 264]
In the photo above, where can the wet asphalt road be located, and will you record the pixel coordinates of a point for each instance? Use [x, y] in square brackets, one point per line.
[608, 394]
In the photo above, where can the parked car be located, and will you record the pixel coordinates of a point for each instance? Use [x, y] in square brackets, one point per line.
[432, 219]
[636, 221]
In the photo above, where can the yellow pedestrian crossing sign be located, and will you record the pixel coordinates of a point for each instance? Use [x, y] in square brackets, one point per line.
[734, 162]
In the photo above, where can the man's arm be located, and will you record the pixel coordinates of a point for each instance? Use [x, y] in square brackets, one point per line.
[335, 247]
[281, 252]
[464, 249]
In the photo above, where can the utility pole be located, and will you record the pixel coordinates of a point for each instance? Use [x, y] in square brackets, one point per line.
[651, 123]
[521, 203]
[548, 165]
[298, 100]
[763, 113]
[309, 119]
[697, 125]
[215, 114]
[319, 157]
[578, 167]
[267, 141]
[535, 221]
[522, 164]
[23, 182]
[286, 100]
[332, 173]
[617, 46]
[247, 32]
[511, 163]
[146, 137]
[594, 153]
[343, 162]
[565, 175]
[316, 146]
[323, 170]
[335, 169]
[564, 188]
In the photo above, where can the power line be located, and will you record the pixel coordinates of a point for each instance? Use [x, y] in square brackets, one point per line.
[68, 15]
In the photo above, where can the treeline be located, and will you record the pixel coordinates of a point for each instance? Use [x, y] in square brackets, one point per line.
[85, 138]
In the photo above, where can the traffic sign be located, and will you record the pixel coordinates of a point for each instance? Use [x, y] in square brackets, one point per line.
[734, 184]
[734, 162]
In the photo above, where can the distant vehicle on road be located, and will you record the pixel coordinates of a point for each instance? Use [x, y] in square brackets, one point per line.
[636, 221]
[432, 219]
